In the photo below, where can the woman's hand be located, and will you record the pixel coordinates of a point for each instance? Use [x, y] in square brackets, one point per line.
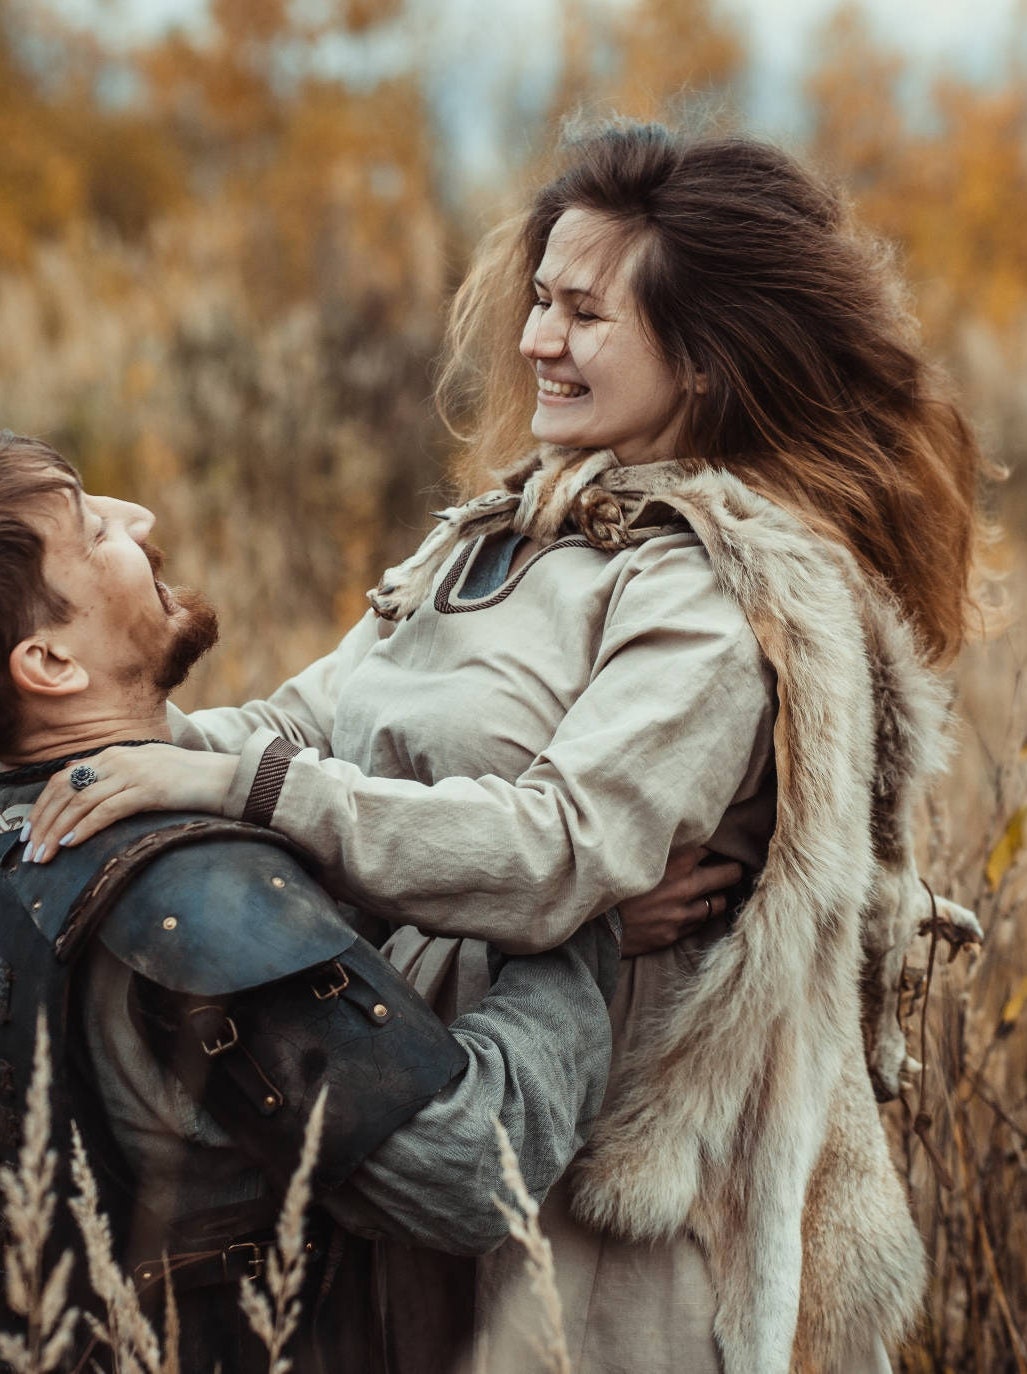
[147, 777]
[689, 893]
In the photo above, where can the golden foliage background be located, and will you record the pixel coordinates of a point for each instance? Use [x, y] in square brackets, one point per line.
[222, 277]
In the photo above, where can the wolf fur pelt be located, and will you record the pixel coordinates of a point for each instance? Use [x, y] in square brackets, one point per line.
[744, 1112]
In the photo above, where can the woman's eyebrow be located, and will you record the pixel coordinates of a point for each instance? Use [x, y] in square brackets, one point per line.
[583, 291]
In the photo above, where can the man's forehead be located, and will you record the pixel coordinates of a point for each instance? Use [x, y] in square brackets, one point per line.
[60, 516]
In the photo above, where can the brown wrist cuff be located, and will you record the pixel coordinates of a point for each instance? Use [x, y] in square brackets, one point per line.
[268, 782]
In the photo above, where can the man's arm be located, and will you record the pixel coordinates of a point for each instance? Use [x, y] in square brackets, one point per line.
[538, 1050]
[539, 1054]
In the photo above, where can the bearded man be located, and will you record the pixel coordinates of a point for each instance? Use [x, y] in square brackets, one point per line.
[201, 988]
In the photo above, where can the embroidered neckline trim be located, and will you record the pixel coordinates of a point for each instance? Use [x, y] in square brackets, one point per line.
[447, 604]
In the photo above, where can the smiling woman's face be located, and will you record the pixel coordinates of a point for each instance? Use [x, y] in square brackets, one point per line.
[601, 383]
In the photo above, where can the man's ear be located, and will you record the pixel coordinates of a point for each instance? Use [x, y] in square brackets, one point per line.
[41, 666]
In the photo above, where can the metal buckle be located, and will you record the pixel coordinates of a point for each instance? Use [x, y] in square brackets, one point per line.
[147, 1271]
[337, 980]
[219, 1046]
[255, 1261]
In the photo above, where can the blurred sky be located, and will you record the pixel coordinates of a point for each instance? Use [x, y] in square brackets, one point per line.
[968, 33]
[972, 37]
[468, 47]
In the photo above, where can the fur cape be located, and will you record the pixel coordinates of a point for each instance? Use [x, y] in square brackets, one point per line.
[747, 1114]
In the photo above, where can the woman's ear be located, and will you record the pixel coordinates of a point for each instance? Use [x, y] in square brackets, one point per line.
[44, 667]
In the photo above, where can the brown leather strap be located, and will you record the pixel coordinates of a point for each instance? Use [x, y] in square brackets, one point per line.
[268, 782]
[239, 1259]
[197, 1269]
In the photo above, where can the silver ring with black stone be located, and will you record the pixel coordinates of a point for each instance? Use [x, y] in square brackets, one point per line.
[83, 775]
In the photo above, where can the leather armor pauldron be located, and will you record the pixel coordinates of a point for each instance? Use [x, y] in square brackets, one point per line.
[250, 983]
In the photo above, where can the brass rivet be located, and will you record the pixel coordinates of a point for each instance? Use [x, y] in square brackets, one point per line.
[269, 1101]
[37, 904]
[146, 1275]
[380, 1009]
[169, 922]
[309, 1247]
[277, 882]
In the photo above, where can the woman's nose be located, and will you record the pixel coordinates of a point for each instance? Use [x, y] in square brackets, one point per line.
[545, 335]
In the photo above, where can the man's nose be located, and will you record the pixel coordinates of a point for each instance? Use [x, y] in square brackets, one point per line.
[137, 520]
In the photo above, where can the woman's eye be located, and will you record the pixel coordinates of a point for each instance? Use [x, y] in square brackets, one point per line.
[585, 316]
[542, 305]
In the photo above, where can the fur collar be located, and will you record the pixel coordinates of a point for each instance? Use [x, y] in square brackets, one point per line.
[552, 491]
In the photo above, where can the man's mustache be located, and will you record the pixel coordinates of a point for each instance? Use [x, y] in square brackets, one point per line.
[155, 557]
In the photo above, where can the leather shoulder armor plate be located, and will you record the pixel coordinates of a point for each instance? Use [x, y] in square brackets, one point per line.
[251, 985]
[196, 903]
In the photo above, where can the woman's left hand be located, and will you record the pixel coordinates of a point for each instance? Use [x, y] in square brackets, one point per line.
[689, 893]
[147, 777]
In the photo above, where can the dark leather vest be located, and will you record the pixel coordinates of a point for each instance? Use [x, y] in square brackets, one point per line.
[248, 982]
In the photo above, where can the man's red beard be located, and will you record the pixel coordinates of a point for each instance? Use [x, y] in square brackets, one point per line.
[195, 626]
[195, 631]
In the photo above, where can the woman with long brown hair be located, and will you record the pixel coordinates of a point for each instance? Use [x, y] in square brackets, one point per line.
[701, 612]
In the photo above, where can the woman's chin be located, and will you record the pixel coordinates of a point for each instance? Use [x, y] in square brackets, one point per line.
[548, 430]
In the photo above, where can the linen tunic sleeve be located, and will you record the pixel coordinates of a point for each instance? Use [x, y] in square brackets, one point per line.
[538, 1050]
[647, 759]
[301, 710]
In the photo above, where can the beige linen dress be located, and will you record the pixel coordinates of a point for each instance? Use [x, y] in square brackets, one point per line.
[502, 767]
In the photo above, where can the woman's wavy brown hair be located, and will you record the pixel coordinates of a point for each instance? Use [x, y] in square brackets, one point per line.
[751, 273]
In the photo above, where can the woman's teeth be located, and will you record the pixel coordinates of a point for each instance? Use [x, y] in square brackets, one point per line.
[560, 388]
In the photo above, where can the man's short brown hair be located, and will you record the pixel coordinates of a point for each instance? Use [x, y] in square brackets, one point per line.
[30, 471]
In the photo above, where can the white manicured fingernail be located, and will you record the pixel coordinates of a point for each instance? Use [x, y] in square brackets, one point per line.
[39, 854]
[67, 839]
[26, 831]
[28, 853]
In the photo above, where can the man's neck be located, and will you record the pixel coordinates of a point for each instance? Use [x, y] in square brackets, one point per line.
[51, 741]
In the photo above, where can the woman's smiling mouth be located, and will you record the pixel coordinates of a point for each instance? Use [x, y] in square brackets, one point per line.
[570, 390]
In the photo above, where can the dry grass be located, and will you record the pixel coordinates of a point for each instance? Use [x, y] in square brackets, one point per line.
[288, 459]
[52, 1327]
[275, 1325]
[522, 1219]
[29, 1206]
[127, 1333]
[976, 1037]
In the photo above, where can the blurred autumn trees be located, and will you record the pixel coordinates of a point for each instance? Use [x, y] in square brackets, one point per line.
[947, 183]
[222, 280]
[224, 255]
[950, 187]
